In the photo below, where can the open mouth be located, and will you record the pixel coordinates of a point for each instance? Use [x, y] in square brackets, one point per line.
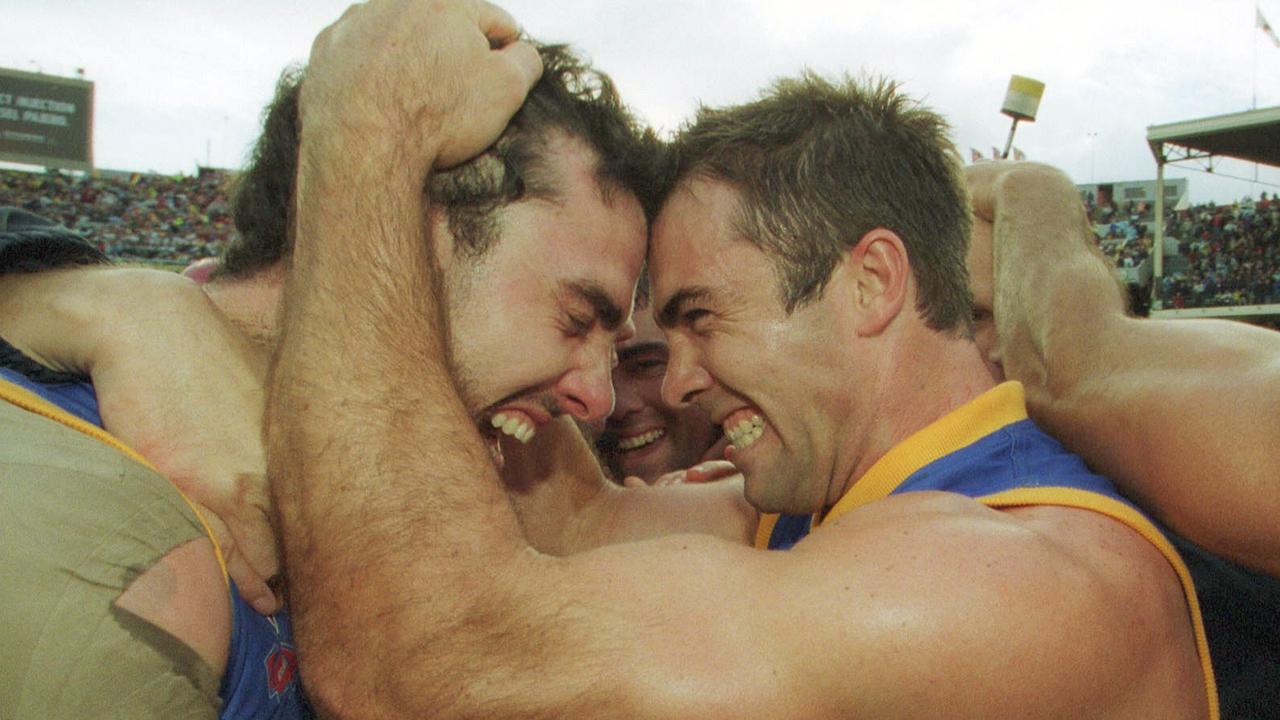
[742, 428]
[514, 423]
[643, 440]
[507, 422]
[717, 449]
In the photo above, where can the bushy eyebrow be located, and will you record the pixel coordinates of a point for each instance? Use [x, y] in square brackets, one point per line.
[604, 308]
[670, 313]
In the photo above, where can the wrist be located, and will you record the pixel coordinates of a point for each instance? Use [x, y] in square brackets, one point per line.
[353, 155]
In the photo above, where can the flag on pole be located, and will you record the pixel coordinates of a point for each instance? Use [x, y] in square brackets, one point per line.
[974, 155]
[1265, 27]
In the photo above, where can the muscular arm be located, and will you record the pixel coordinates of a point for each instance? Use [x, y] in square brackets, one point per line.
[1183, 415]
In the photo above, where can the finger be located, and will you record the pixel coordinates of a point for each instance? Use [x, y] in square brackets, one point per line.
[497, 24]
[253, 588]
[631, 481]
[671, 478]
[981, 182]
[250, 584]
[710, 471]
[524, 65]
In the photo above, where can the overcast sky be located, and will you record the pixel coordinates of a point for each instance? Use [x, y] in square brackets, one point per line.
[182, 82]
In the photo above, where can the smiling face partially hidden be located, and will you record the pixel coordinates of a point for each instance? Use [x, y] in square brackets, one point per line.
[645, 437]
[533, 322]
[777, 382]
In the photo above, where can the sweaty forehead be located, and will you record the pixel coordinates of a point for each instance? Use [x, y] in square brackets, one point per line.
[692, 236]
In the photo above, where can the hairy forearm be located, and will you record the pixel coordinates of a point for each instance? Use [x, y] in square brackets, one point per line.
[1177, 413]
[378, 471]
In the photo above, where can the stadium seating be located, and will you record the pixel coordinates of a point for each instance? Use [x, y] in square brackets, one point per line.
[158, 219]
[1226, 254]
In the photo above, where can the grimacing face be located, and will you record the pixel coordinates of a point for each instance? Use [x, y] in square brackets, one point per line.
[533, 322]
[778, 383]
[647, 437]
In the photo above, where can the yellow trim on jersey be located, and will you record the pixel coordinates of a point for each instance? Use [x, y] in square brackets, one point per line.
[976, 419]
[1116, 510]
[29, 401]
[764, 530]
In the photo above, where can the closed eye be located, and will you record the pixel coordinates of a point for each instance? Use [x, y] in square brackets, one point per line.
[579, 325]
[690, 318]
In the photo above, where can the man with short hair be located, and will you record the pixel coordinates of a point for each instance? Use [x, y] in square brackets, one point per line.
[954, 570]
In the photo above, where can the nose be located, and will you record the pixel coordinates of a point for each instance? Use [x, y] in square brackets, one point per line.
[685, 377]
[586, 390]
[627, 392]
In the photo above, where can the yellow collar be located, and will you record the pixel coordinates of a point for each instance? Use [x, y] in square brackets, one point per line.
[1000, 406]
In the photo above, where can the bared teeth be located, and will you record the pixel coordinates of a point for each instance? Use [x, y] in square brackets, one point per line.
[515, 424]
[641, 440]
[495, 452]
[746, 431]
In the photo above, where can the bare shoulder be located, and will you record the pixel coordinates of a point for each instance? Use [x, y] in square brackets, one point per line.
[185, 595]
[1045, 610]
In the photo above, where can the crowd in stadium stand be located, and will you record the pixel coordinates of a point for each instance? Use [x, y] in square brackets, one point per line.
[1233, 255]
[160, 219]
[1226, 254]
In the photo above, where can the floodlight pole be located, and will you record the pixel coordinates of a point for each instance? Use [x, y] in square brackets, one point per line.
[1157, 250]
[1009, 143]
[1021, 102]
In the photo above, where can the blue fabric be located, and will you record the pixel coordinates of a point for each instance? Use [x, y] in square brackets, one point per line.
[261, 678]
[1018, 455]
[76, 398]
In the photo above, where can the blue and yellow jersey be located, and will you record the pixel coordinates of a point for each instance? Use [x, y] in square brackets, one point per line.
[989, 450]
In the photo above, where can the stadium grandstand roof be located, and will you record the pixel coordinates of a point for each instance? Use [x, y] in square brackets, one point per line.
[1253, 135]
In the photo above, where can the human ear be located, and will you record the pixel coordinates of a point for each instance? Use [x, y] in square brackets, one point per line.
[879, 272]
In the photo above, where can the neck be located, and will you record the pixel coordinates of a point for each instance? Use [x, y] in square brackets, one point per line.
[250, 304]
[922, 376]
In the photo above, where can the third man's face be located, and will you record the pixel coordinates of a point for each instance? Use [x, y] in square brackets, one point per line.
[648, 437]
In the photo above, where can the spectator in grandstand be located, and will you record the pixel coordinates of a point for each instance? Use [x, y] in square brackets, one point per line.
[1181, 413]
[692, 626]
[645, 437]
[1232, 253]
[154, 218]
